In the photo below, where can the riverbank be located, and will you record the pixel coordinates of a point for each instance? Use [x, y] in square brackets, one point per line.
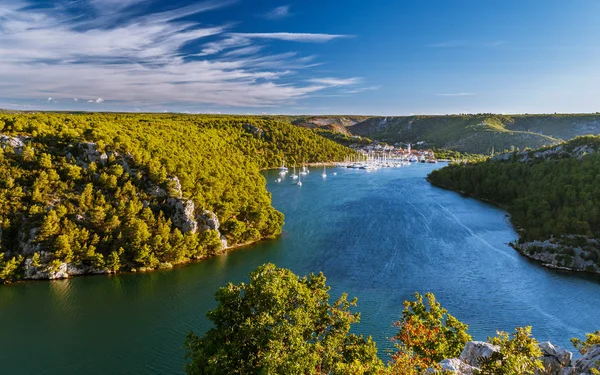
[71, 270]
[548, 252]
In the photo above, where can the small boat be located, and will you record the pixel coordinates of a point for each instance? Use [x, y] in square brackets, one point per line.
[278, 180]
[283, 168]
[294, 175]
[324, 172]
[299, 183]
[334, 173]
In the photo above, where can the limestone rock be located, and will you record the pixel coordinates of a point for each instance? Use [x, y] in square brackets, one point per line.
[589, 361]
[254, 130]
[562, 356]
[183, 215]
[175, 187]
[14, 142]
[208, 221]
[457, 366]
[475, 351]
[224, 241]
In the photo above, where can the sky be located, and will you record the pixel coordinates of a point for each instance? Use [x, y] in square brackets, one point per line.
[355, 57]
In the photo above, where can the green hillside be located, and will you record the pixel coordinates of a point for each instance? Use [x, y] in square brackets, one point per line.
[100, 193]
[466, 133]
[480, 134]
[552, 194]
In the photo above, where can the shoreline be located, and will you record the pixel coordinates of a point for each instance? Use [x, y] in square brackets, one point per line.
[171, 266]
[520, 248]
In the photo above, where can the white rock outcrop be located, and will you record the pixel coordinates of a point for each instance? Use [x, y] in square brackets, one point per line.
[475, 352]
[183, 215]
[457, 366]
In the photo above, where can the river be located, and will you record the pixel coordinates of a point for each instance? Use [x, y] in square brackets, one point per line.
[380, 236]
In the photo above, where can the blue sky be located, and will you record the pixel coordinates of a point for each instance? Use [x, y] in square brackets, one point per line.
[380, 57]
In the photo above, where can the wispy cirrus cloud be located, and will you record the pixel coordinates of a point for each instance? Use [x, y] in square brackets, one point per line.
[292, 37]
[361, 89]
[103, 52]
[335, 81]
[279, 13]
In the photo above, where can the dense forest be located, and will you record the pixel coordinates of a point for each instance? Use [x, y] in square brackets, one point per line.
[102, 193]
[280, 323]
[552, 194]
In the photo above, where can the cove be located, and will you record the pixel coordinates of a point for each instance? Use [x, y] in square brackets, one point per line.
[380, 236]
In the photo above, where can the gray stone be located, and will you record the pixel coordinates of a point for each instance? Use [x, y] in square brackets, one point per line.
[562, 356]
[175, 187]
[589, 361]
[183, 215]
[209, 221]
[475, 352]
[456, 366]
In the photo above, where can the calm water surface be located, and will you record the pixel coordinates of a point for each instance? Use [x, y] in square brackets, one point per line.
[380, 236]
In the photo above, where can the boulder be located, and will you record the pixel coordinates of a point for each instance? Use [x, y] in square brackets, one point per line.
[456, 366]
[476, 351]
[562, 356]
[589, 361]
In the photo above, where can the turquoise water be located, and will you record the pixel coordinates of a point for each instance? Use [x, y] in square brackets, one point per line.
[380, 236]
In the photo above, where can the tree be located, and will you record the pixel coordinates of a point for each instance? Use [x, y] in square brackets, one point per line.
[518, 355]
[281, 324]
[592, 339]
[428, 334]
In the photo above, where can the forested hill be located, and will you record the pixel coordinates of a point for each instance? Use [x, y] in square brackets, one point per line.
[482, 133]
[99, 193]
[552, 194]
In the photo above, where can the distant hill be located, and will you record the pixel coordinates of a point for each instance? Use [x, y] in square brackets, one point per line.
[482, 133]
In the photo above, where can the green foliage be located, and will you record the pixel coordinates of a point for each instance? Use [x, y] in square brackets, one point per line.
[518, 355]
[443, 154]
[477, 133]
[107, 182]
[556, 197]
[591, 340]
[428, 333]
[281, 324]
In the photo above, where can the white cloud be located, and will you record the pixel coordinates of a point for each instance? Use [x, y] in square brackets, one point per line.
[361, 89]
[335, 81]
[279, 13]
[292, 37]
[49, 100]
[139, 59]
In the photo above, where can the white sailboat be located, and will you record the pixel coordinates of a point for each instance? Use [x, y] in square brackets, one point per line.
[299, 183]
[324, 171]
[294, 175]
[304, 171]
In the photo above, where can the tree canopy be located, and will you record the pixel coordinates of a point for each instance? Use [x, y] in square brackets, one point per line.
[116, 192]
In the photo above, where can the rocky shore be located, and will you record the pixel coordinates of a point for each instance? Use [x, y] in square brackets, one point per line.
[556, 361]
[557, 255]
